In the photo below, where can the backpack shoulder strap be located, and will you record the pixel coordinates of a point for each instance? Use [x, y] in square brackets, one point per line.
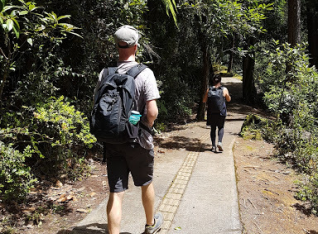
[213, 88]
[112, 70]
[108, 71]
[136, 70]
[222, 88]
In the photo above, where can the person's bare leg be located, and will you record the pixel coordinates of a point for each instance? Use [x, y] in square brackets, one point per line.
[114, 211]
[148, 201]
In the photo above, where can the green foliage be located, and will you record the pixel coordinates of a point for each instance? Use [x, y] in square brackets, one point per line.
[16, 178]
[223, 17]
[172, 8]
[31, 62]
[309, 193]
[38, 30]
[177, 98]
[36, 69]
[295, 91]
[55, 135]
[276, 21]
[161, 127]
[290, 86]
[64, 135]
[257, 128]
[68, 124]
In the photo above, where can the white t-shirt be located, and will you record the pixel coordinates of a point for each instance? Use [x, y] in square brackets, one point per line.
[146, 90]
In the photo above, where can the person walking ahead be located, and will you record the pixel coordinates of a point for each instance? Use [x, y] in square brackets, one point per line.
[216, 113]
[134, 157]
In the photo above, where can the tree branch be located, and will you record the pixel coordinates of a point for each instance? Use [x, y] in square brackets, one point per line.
[3, 54]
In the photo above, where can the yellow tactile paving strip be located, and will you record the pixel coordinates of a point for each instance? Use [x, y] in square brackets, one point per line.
[170, 203]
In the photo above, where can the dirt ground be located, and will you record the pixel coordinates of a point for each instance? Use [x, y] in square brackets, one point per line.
[266, 192]
[55, 207]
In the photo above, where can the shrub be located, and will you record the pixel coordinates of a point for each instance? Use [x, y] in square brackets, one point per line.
[255, 127]
[290, 88]
[55, 131]
[309, 192]
[16, 178]
[65, 135]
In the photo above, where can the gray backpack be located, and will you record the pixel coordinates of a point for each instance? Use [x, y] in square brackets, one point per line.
[216, 101]
[113, 104]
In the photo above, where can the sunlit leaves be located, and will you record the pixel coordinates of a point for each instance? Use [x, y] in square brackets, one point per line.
[172, 8]
[229, 17]
[26, 14]
[8, 19]
[35, 25]
[69, 124]
[23, 13]
[30, 41]
[16, 178]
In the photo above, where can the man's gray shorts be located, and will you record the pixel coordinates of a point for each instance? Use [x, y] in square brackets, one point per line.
[125, 158]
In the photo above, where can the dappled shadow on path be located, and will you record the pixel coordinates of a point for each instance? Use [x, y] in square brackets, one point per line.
[179, 142]
[93, 228]
[237, 111]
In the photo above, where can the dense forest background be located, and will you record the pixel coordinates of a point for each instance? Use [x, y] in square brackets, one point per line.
[52, 51]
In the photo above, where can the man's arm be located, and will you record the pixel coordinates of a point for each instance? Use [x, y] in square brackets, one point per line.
[152, 112]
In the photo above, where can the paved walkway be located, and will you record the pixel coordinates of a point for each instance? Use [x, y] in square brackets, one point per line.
[195, 188]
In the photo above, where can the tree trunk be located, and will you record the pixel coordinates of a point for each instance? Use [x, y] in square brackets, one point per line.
[230, 66]
[249, 90]
[294, 24]
[312, 26]
[204, 81]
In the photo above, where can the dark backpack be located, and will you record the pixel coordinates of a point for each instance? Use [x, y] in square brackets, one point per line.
[113, 103]
[216, 100]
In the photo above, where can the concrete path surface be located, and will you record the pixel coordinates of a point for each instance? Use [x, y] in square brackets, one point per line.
[195, 188]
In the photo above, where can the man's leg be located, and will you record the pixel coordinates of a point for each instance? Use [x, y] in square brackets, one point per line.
[114, 211]
[148, 201]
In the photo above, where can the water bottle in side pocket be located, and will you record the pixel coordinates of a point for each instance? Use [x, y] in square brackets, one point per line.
[134, 117]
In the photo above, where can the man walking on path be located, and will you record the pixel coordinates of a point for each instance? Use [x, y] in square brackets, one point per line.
[216, 113]
[137, 158]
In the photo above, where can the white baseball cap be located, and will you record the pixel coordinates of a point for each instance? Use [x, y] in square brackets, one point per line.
[127, 34]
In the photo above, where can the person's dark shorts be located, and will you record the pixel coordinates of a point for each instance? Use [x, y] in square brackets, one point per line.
[125, 158]
[216, 120]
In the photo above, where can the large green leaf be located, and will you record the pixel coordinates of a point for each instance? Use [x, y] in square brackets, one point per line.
[171, 6]
[64, 17]
[16, 31]
[23, 12]
[16, 22]
[7, 8]
[9, 24]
